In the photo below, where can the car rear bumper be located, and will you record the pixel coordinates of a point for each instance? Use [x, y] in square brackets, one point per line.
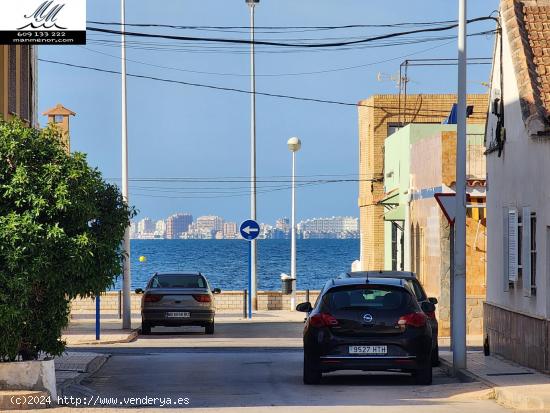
[369, 363]
[196, 317]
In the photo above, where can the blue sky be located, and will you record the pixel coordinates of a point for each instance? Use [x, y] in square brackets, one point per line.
[182, 131]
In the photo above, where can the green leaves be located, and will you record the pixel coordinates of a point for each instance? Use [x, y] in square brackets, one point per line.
[61, 227]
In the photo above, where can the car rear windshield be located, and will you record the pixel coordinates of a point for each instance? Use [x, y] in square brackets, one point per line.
[380, 297]
[178, 281]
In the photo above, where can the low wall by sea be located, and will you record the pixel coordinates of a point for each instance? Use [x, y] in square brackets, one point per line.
[226, 301]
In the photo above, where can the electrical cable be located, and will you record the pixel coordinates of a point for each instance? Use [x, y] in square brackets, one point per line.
[231, 89]
[283, 44]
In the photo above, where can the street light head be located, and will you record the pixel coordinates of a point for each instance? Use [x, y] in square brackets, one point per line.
[294, 144]
[252, 2]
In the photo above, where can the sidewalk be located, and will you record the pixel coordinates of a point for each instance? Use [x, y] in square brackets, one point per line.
[81, 329]
[70, 369]
[514, 386]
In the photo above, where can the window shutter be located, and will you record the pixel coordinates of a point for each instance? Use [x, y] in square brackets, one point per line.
[506, 278]
[512, 245]
[526, 251]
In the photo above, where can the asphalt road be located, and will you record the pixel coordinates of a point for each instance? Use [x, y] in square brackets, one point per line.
[261, 380]
[255, 366]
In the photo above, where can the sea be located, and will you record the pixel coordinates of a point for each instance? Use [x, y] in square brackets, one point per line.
[225, 262]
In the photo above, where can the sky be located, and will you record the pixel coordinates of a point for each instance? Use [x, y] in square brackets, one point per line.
[178, 131]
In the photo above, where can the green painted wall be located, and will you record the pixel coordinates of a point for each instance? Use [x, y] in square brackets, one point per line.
[397, 149]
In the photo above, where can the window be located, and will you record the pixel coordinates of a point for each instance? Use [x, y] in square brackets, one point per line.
[372, 297]
[178, 281]
[394, 247]
[529, 251]
[533, 253]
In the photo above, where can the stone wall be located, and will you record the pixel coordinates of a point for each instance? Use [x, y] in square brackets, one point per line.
[226, 301]
[518, 337]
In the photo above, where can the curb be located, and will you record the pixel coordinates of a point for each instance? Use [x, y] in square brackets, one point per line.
[93, 366]
[465, 376]
[131, 337]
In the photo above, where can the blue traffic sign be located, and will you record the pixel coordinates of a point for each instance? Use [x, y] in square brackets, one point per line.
[249, 229]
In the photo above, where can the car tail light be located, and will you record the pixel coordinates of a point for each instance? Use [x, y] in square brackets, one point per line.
[202, 298]
[152, 298]
[413, 319]
[323, 320]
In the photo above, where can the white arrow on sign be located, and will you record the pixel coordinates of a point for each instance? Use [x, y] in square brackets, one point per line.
[249, 229]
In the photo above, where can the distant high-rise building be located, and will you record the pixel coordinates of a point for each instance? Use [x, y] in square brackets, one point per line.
[230, 230]
[283, 224]
[333, 227]
[160, 228]
[145, 226]
[210, 223]
[177, 224]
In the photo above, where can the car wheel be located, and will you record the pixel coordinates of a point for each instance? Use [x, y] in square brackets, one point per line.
[145, 328]
[312, 371]
[209, 328]
[423, 375]
[435, 356]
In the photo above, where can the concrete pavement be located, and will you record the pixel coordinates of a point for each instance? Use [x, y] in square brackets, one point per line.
[514, 386]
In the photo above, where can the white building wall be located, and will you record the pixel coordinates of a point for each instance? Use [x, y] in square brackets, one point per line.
[517, 179]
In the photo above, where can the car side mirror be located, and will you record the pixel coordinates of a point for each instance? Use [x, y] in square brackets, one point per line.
[139, 291]
[216, 291]
[433, 300]
[304, 307]
[428, 307]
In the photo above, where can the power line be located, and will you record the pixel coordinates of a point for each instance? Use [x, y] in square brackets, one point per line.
[272, 74]
[283, 44]
[231, 89]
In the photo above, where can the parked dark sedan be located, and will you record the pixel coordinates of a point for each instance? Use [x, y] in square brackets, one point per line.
[177, 299]
[420, 294]
[367, 324]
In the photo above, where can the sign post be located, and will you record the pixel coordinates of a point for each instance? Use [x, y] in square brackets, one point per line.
[249, 230]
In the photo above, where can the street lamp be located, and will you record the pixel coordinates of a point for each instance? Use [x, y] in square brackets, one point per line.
[294, 145]
[126, 275]
[253, 284]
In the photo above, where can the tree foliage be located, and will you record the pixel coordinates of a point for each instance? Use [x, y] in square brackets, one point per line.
[61, 227]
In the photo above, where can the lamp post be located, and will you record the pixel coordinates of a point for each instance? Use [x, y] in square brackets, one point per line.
[294, 144]
[253, 284]
[126, 276]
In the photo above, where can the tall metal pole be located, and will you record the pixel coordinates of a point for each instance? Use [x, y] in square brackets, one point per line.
[126, 281]
[459, 302]
[293, 236]
[253, 251]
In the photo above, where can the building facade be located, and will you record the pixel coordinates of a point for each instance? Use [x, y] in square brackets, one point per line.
[432, 171]
[177, 224]
[379, 117]
[517, 309]
[18, 83]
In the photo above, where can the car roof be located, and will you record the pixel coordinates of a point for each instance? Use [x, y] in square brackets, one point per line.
[178, 273]
[404, 275]
[398, 282]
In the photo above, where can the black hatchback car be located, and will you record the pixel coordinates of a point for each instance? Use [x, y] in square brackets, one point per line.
[420, 294]
[368, 324]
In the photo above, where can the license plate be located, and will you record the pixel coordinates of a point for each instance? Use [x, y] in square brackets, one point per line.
[178, 314]
[375, 350]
